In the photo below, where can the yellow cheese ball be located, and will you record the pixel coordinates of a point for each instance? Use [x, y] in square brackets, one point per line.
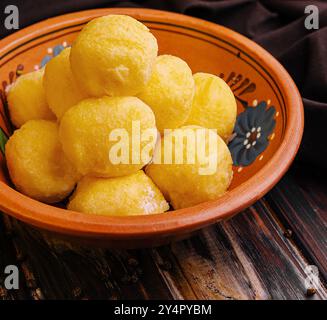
[90, 141]
[190, 182]
[37, 164]
[26, 99]
[169, 92]
[214, 105]
[61, 89]
[134, 194]
[113, 55]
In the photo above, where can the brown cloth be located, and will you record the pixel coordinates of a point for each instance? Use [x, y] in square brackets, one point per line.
[277, 25]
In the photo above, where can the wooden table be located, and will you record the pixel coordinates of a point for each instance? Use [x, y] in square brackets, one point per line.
[262, 253]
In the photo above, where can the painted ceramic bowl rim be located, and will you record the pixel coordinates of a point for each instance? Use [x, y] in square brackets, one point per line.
[178, 221]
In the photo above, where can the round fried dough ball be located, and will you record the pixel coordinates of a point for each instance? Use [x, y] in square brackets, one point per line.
[96, 135]
[36, 163]
[61, 89]
[169, 92]
[26, 99]
[134, 194]
[214, 105]
[113, 55]
[200, 167]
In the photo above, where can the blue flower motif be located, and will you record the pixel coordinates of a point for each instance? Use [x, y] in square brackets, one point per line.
[252, 129]
[55, 51]
[45, 60]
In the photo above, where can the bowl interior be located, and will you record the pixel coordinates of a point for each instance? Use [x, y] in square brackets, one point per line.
[261, 96]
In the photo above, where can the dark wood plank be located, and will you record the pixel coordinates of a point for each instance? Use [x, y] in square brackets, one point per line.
[300, 202]
[65, 271]
[172, 273]
[247, 257]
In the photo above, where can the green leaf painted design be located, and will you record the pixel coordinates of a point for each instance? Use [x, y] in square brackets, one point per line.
[3, 141]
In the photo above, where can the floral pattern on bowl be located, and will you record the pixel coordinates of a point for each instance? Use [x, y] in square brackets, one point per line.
[52, 52]
[251, 133]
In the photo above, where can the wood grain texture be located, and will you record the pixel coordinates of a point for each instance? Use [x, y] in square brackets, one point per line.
[300, 201]
[247, 257]
[250, 256]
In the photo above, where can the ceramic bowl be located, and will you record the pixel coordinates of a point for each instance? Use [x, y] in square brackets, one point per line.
[268, 102]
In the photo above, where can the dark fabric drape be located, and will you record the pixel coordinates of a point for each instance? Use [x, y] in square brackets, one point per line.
[277, 25]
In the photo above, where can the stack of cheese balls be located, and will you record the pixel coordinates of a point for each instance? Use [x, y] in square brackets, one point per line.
[112, 75]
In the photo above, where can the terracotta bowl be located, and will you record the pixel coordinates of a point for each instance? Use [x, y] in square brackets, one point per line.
[270, 118]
